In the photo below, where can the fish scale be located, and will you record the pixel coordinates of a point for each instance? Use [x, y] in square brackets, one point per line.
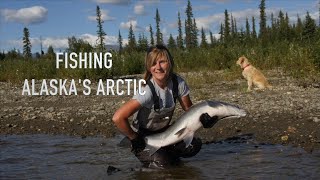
[188, 123]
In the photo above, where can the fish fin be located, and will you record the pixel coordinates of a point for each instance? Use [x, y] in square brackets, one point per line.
[152, 149]
[188, 139]
[180, 132]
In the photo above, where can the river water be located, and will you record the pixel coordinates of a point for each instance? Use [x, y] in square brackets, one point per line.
[65, 157]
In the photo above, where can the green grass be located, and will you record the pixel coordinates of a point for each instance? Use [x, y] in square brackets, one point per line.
[299, 61]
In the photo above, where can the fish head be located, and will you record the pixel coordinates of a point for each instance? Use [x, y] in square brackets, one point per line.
[224, 110]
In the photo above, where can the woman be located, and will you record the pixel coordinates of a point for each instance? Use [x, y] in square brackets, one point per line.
[152, 112]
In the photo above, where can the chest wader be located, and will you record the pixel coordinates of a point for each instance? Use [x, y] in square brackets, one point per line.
[156, 120]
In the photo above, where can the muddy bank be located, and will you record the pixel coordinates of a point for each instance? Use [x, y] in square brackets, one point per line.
[287, 114]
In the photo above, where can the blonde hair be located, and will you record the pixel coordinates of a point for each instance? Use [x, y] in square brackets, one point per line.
[153, 54]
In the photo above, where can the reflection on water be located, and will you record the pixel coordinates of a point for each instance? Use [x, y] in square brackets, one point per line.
[64, 157]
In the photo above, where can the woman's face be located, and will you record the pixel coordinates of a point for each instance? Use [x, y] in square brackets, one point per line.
[160, 69]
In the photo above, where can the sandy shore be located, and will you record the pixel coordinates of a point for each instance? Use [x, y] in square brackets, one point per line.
[288, 114]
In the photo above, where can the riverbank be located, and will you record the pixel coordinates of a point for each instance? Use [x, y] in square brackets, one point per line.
[288, 114]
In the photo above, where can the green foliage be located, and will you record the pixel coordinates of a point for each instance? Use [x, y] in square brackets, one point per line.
[78, 45]
[16, 70]
[50, 53]
[13, 54]
[133, 63]
[142, 43]
[293, 47]
[2, 56]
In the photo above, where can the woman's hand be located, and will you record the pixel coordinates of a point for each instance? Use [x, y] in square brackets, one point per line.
[138, 144]
[207, 121]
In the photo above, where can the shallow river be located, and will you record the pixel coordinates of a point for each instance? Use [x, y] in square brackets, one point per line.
[64, 157]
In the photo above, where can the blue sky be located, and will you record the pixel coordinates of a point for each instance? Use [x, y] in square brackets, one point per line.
[55, 21]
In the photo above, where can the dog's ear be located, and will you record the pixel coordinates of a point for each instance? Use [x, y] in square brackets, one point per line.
[242, 58]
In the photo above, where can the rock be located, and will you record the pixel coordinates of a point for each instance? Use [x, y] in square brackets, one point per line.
[90, 120]
[50, 109]
[291, 129]
[284, 138]
[316, 119]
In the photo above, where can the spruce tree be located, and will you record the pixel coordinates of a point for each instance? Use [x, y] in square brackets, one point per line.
[226, 26]
[287, 27]
[299, 28]
[235, 33]
[189, 26]
[50, 53]
[159, 39]
[142, 43]
[309, 28]
[194, 34]
[171, 43]
[120, 41]
[263, 19]
[132, 44]
[100, 31]
[232, 32]
[235, 27]
[179, 38]
[221, 32]
[254, 33]
[273, 30]
[26, 44]
[151, 35]
[211, 39]
[247, 28]
[203, 43]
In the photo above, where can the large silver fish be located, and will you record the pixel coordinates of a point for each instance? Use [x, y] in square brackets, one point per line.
[189, 122]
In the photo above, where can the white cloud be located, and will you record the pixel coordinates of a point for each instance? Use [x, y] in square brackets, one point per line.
[215, 20]
[56, 43]
[139, 9]
[92, 39]
[104, 15]
[126, 25]
[315, 16]
[209, 21]
[221, 1]
[31, 15]
[117, 2]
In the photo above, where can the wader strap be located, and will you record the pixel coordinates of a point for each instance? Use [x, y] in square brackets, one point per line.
[175, 88]
[155, 96]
